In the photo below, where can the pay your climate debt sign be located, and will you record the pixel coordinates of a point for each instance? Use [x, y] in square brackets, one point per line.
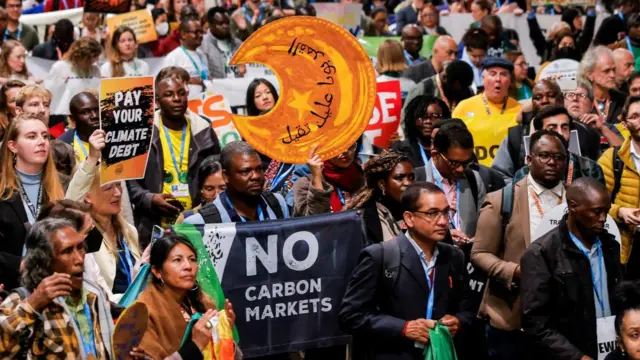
[284, 277]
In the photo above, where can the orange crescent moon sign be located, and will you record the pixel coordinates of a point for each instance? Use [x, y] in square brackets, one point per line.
[327, 89]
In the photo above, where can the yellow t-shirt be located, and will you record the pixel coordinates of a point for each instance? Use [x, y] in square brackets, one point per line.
[81, 149]
[474, 106]
[171, 178]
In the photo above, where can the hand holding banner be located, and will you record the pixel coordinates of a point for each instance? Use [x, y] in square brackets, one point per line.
[126, 115]
[386, 115]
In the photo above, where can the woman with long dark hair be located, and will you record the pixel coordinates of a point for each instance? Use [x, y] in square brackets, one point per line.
[627, 323]
[261, 97]
[210, 184]
[8, 94]
[173, 298]
[122, 56]
[422, 113]
[386, 176]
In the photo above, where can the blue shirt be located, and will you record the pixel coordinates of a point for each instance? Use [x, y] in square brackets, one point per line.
[599, 275]
[428, 266]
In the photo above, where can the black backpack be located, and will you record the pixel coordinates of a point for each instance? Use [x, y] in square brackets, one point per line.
[618, 167]
[211, 214]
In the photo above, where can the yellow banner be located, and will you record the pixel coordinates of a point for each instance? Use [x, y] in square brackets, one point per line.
[139, 21]
[488, 132]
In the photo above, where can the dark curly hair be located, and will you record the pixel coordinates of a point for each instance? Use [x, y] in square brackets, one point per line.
[37, 262]
[418, 108]
[375, 169]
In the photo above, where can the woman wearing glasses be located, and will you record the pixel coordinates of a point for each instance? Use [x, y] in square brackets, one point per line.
[422, 114]
[522, 86]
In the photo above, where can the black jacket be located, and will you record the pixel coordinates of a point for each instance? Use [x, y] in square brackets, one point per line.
[556, 294]
[615, 108]
[377, 313]
[47, 50]
[411, 148]
[420, 72]
[610, 30]
[13, 233]
[544, 47]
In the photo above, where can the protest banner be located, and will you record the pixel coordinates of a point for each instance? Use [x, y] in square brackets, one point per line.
[126, 115]
[346, 15]
[139, 21]
[552, 218]
[567, 3]
[488, 133]
[564, 71]
[386, 115]
[372, 43]
[129, 330]
[107, 6]
[606, 335]
[215, 107]
[62, 90]
[327, 89]
[284, 277]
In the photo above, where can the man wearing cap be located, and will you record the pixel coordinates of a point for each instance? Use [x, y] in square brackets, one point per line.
[495, 100]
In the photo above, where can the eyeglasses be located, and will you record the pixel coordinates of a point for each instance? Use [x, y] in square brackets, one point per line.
[434, 215]
[523, 64]
[430, 117]
[546, 157]
[634, 117]
[456, 164]
[196, 32]
[573, 95]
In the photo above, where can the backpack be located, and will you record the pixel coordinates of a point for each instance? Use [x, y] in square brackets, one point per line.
[506, 205]
[211, 214]
[390, 264]
[618, 166]
[515, 147]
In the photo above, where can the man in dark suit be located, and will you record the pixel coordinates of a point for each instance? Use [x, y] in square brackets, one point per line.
[444, 49]
[408, 15]
[401, 288]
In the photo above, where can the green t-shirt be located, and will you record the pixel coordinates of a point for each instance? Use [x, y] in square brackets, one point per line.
[636, 54]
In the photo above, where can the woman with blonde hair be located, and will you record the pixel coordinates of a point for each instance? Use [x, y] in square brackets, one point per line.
[122, 56]
[90, 26]
[79, 61]
[29, 180]
[13, 62]
[391, 63]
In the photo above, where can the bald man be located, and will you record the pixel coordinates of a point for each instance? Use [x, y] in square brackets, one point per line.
[561, 311]
[624, 68]
[444, 49]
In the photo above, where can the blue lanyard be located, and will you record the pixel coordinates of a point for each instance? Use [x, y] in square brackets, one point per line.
[242, 219]
[621, 16]
[340, 195]
[89, 346]
[425, 159]
[203, 71]
[67, 6]
[432, 287]
[246, 15]
[527, 95]
[127, 265]
[80, 144]
[170, 146]
[281, 175]
[629, 43]
[456, 220]
[6, 33]
[410, 61]
[598, 290]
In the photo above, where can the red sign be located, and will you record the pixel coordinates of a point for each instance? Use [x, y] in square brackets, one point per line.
[386, 115]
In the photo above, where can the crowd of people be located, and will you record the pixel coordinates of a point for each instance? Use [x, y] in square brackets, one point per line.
[435, 220]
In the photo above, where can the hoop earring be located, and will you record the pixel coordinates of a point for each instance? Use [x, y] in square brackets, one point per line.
[195, 287]
[161, 282]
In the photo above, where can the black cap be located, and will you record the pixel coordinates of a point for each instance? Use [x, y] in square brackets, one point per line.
[492, 61]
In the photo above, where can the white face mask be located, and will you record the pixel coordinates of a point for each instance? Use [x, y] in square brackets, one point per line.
[162, 28]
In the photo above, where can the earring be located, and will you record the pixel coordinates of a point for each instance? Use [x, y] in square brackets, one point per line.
[195, 287]
[384, 192]
[161, 282]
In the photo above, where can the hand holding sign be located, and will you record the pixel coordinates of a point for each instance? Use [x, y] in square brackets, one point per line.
[327, 89]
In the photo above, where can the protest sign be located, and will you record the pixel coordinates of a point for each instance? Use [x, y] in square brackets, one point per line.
[126, 115]
[552, 218]
[327, 89]
[488, 132]
[285, 277]
[386, 115]
[372, 43]
[345, 15]
[564, 71]
[129, 330]
[215, 107]
[107, 6]
[606, 331]
[567, 3]
[139, 21]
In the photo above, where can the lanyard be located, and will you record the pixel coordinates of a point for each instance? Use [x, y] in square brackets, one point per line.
[135, 67]
[527, 94]
[202, 71]
[170, 146]
[629, 43]
[75, 4]
[536, 199]
[604, 111]
[7, 34]
[281, 175]
[432, 286]
[340, 196]
[455, 222]
[126, 261]
[246, 15]
[598, 290]
[234, 212]
[486, 105]
[425, 159]
[80, 144]
[34, 210]
[90, 345]
[410, 60]
[570, 172]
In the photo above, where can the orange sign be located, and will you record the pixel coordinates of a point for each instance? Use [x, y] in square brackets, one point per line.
[217, 109]
[327, 89]
[126, 115]
[139, 21]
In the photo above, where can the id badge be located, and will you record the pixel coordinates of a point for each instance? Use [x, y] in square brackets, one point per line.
[180, 190]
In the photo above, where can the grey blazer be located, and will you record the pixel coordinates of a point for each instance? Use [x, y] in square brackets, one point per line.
[215, 57]
[468, 209]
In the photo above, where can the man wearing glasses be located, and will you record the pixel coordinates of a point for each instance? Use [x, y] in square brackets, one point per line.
[579, 103]
[16, 30]
[502, 236]
[451, 154]
[425, 282]
[188, 55]
[621, 166]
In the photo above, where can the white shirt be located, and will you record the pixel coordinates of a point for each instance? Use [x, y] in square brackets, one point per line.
[635, 156]
[179, 57]
[63, 69]
[135, 67]
[548, 199]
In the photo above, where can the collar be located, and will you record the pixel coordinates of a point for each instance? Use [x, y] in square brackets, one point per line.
[635, 153]
[437, 174]
[79, 306]
[420, 252]
[539, 189]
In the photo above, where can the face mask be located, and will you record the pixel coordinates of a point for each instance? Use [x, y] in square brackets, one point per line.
[568, 53]
[162, 28]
